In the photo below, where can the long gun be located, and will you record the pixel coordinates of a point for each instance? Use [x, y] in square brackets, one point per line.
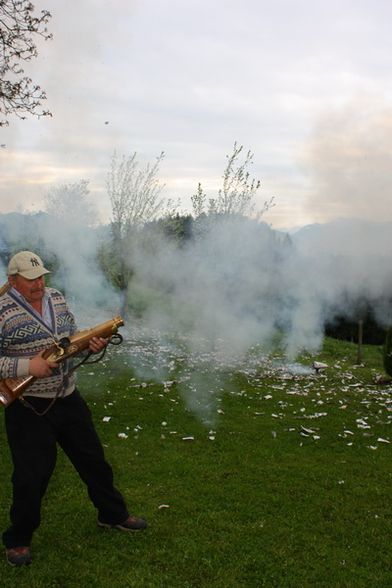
[12, 388]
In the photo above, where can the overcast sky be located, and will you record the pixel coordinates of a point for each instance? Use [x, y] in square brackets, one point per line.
[306, 85]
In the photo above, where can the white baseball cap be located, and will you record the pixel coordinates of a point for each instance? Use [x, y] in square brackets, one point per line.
[28, 265]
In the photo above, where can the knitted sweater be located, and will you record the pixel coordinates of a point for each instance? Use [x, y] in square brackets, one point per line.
[23, 334]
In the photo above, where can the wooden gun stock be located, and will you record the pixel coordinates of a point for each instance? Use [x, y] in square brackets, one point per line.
[12, 388]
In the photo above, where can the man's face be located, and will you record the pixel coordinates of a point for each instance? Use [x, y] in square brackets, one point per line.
[32, 290]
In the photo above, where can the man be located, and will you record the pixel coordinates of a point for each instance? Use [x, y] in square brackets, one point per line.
[51, 410]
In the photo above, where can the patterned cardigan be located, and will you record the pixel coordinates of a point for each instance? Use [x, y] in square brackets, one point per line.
[23, 334]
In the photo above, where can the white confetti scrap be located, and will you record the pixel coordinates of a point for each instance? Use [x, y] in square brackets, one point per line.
[307, 431]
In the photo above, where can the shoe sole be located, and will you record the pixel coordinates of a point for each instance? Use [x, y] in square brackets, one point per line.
[18, 565]
[119, 527]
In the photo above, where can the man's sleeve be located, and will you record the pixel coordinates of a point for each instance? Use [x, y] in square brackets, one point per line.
[12, 367]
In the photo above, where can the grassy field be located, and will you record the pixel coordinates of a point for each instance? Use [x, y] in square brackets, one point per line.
[262, 474]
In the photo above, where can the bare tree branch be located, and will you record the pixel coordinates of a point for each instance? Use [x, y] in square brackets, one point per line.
[238, 190]
[135, 194]
[19, 27]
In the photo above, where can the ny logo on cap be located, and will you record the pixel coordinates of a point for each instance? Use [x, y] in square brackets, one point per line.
[34, 262]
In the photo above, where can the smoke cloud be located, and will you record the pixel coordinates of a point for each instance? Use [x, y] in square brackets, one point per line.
[240, 282]
[225, 298]
[67, 243]
[235, 284]
[349, 158]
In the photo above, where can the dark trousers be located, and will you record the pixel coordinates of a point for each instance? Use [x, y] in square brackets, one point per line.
[33, 442]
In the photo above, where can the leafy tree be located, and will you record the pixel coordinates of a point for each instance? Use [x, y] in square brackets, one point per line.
[135, 193]
[177, 228]
[198, 201]
[238, 190]
[135, 196]
[388, 352]
[71, 203]
[19, 27]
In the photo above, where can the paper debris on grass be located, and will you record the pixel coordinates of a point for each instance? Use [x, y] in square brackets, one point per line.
[318, 365]
[316, 415]
[168, 384]
[122, 436]
[106, 419]
[362, 424]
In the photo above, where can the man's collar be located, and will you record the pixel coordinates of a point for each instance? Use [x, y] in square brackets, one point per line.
[46, 319]
[16, 292]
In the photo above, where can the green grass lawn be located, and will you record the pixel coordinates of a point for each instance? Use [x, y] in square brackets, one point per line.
[249, 476]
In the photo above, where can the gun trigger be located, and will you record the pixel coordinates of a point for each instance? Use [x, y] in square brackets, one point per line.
[56, 354]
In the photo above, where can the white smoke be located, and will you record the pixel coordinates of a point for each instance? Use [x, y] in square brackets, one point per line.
[349, 160]
[217, 287]
[240, 282]
[239, 289]
[78, 271]
[72, 248]
[236, 289]
[236, 284]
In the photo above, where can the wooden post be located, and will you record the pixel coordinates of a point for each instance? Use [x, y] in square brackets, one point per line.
[360, 341]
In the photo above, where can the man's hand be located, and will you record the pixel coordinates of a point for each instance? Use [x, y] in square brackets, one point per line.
[40, 367]
[97, 344]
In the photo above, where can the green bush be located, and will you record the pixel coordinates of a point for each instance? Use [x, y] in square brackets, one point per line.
[388, 352]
